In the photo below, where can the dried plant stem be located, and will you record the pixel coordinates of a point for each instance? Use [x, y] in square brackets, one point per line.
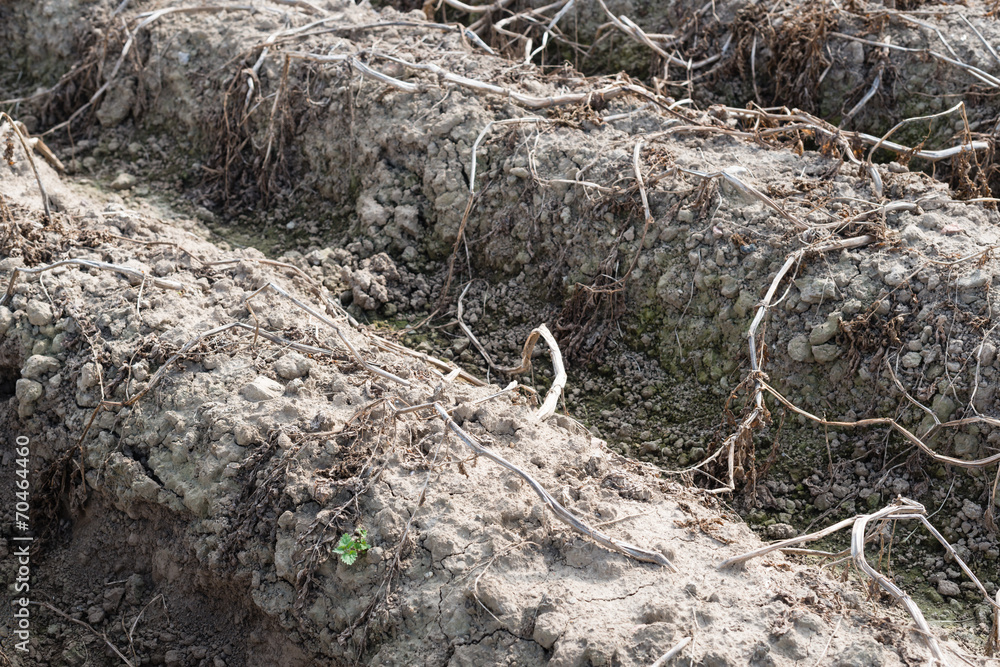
[31, 160]
[901, 508]
[100, 635]
[898, 428]
[477, 9]
[145, 19]
[629, 27]
[548, 406]
[333, 325]
[958, 107]
[758, 415]
[988, 79]
[93, 264]
[391, 346]
[672, 653]
[528, 101]
[554, 506]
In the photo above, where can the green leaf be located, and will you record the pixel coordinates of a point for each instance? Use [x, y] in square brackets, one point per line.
[349, 557]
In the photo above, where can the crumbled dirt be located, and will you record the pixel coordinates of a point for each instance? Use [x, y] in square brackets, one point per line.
[212, 505]
[205, 514]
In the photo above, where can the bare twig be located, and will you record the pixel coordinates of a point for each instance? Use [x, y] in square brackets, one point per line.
[93, 264]
[554, 506]
[31, 160]
[758, 415]
[330, 323]
[901, 508]
[672, 653]
[100, 635]
[548, 407]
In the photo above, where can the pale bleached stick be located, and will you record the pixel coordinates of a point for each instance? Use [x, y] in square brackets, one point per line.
[27, 151]
[758, 414]
[983, 76]
[902, 506]
[784, 544]
[672, 653]
[995, 634]
[392, 346]
[477, 9]
[548, 407]
[746, 188]
[958, 107]
[93, 264]
[896, 426]
[629, 27]
[479, 140]
[554, 506]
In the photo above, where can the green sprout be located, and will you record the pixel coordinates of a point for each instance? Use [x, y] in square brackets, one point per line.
[352, 545]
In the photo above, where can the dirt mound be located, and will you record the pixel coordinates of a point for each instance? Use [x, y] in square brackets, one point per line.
[403, 158]
[206, 529]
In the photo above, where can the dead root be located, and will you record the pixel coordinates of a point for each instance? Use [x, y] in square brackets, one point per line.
[901, 508]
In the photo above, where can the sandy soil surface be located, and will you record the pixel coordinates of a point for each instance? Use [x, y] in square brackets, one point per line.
[239, 456]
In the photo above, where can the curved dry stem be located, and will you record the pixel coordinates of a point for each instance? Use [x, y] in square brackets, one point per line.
[31, 161]
[554, 506]
[900, 508]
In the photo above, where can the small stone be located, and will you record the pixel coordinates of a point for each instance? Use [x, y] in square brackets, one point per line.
[824, 501]
[28, 391]
[781, 531]
[799, 349]
[548, 628]
[245, 434]
[965, 444]
[6, 319]
[135, 586]
[971, 510]
[816, 290]
[164, 267]
[39, 313]
[824, 332]
[88, 376]
[943, 407]
[124, 181]
[730, 287]
[262, 389]
[292, 365]
[112, 598]
[912, 235]
[912, 359]
[825, 353]
[95, 615]
[987, 353]
[38, 366]
[948, 588]
[975, 280]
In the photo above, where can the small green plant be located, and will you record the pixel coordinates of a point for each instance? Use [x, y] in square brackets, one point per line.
[352, 545]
